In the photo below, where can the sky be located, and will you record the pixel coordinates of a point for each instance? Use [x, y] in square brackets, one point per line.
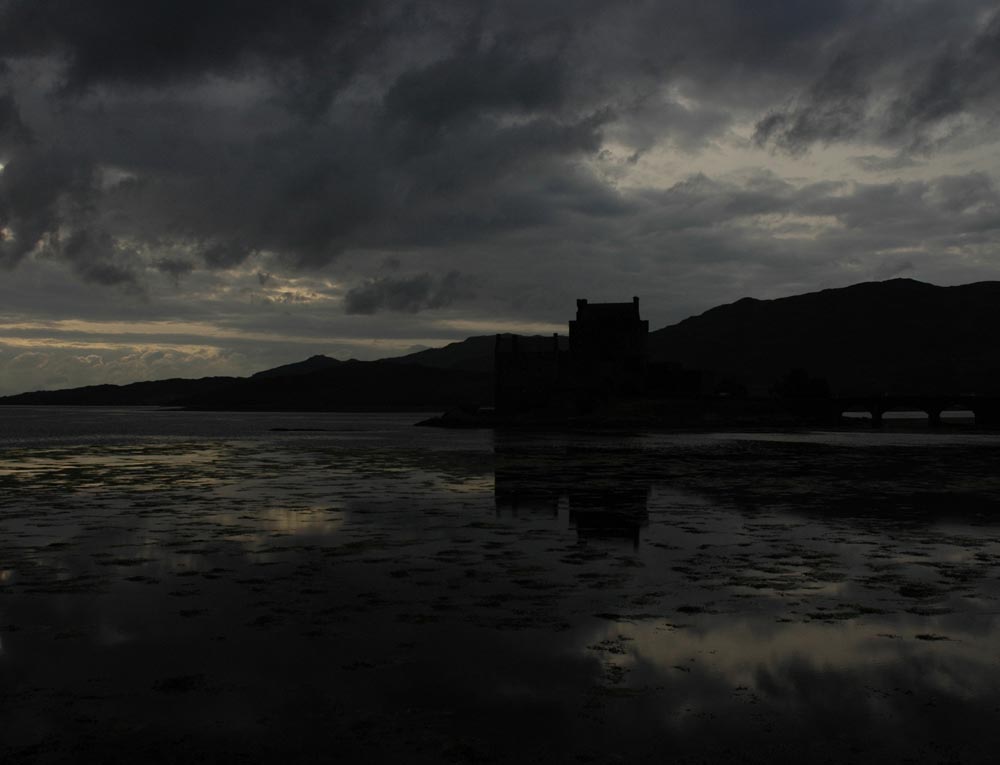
[203, 187]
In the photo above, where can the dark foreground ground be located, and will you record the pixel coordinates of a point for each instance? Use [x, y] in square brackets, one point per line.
[276, 588]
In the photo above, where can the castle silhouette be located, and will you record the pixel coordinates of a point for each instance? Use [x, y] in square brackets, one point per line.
[603, 360]
[603, 368]
[833, 357]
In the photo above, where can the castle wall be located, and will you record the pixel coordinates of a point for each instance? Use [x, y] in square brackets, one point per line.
[528, 373]
[606, 359]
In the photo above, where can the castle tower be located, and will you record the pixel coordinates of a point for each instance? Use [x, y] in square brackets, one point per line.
[607, 343]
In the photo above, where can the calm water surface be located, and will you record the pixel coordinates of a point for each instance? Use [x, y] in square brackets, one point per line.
[303, 587]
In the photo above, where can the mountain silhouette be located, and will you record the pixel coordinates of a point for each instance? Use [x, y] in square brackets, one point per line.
[873, 337]
[474, 354]
[877, 337]
[896, 336]
[352, 386]
[312, 364]
[147, 393]
[331, 386]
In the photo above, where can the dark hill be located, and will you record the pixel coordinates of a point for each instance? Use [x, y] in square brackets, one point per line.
[312, 364]
[331, 386]
[149, 393]
[474, 354]
[354, 386]
[895, 336]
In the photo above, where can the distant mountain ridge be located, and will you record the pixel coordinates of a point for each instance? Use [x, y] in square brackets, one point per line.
[474, 354]
[317, 384]
[352, 386]
[899, 335]
[872, 337]
[315, 363]
[147, 393]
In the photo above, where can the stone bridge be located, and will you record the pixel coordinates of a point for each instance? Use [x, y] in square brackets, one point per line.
[985, 408]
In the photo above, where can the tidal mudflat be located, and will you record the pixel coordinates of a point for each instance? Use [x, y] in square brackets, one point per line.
[266, 587]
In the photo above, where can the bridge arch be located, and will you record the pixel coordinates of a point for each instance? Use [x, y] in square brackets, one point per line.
[983, 410]
[956, 410]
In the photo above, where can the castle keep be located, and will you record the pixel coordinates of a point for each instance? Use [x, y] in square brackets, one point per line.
[604, 358]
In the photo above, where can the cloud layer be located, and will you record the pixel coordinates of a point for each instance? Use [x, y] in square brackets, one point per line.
[501, 157]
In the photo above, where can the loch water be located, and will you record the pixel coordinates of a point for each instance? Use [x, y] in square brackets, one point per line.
[281, 587]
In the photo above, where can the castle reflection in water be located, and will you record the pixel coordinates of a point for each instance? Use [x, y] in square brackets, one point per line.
[597, 493]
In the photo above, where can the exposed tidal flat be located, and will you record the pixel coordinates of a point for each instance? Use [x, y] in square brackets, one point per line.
[300, 587]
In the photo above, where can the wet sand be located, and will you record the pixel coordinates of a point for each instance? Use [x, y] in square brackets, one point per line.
[338, 587]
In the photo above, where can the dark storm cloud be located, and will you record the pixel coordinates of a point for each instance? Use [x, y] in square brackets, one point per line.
[98, 258]
[175, 267]
[834, 109]
[914, 213]
[48, 202]
[875, 164]
[309, 191]
[406, 294]
[224, 129]
[13, 131]
[700, 201]
[475, 80]
[225, 254]
[39, 188]
[899, 75]
[917, 211]
[961, 76]
[162, 41]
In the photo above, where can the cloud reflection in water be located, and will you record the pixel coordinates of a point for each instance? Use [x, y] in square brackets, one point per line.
[630, 596]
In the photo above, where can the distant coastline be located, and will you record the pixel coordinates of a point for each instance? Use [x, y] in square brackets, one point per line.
[895, 338]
